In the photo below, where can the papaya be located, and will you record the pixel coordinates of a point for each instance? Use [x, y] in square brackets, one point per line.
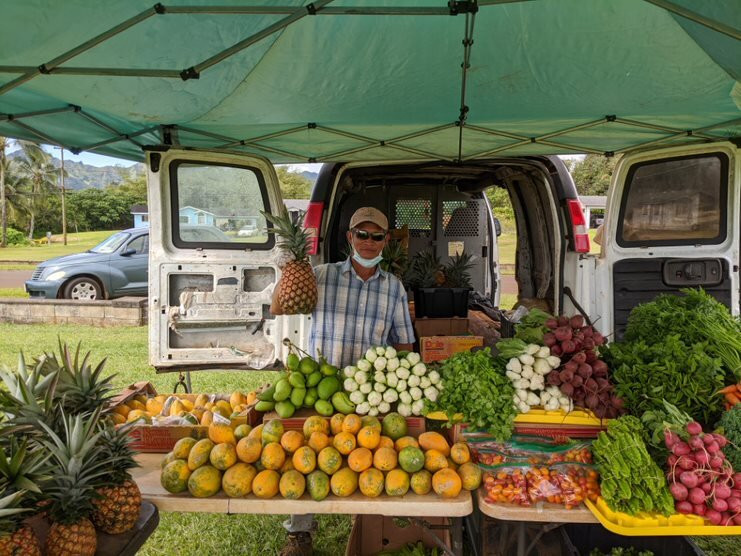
[421, 482]
[369, 437]
[446, 483]
[371, 482]
[385, 459]
[329, 460]
[411, 459]
[292, 485]
[344, 482]
[470, 475]
[460, 453]
[435, 460]
[266, 483]
[315, 423]
[394, 426]
[183, 447]
[200, 453]
[174, 477]
[317, 483]
[291, 441]
[237, 480]
[223, 456]
[273, 457]
[304, 460]
[397, 482]
[434, 441]
[249, 449]
[204, 482]
[360, 459]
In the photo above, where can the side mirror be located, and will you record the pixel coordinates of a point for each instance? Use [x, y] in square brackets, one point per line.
[497, 227]
[128, 252]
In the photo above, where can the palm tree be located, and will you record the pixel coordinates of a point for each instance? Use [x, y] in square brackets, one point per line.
[39, 172]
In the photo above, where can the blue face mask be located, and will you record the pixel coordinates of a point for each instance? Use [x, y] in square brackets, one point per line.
[367, 263]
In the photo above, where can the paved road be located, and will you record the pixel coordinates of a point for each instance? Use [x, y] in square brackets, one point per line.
[14, 278]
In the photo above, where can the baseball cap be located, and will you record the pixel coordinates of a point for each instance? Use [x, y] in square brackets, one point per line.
[369, 214]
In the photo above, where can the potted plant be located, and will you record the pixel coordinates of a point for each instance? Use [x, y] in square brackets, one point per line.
[440, 290]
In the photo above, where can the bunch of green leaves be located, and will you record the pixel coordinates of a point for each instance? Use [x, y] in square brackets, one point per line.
[655, 422]
[475, 385]
[631, 482]
[512, 347]
[730, 427]
[620, 551]
[686, 375]
[531, 327]
[697, 317]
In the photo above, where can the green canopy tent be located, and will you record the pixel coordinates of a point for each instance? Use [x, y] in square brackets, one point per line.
[370, 79]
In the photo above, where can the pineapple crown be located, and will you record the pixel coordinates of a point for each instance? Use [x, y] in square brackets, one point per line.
[427, 271]
[12, 510]
[75, 466]
[21, 463]
[115, 447]
[30, 394]
[293, 237]
[81, 387]
[394, 258]
[457, 271]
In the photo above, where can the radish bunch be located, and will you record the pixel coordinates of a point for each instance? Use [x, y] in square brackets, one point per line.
[582, 376]
[701, 480]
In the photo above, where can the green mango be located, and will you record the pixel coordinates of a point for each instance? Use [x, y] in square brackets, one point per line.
[323, 407]
[311, 397]
[267, 394]
[282, 390]
[328, 370]
[292, 362]
[313, 379]
[307, 365]
[297, 396]
[342, 403]
[285, 409]
[264, 406]
[328, 386]
[297, 380]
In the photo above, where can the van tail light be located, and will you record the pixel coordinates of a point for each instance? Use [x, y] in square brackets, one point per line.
[579, 230]
[312, 224]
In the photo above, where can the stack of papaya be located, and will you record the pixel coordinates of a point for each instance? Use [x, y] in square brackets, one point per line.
[196, 410]
[307, 383]
[340, 456]
[732, 395]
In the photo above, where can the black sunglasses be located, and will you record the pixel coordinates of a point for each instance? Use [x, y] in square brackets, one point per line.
[362, 235]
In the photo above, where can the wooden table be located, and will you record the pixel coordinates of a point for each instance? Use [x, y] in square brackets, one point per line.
[411, 505]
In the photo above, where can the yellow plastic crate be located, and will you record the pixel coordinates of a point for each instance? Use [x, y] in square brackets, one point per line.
[578, 417]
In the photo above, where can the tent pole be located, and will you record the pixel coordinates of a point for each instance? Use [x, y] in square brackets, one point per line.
[697, 18]
[467, 44]
[105, 126]
[4, 117]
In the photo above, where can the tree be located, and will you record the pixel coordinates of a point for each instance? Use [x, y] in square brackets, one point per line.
[37, 168]
[292, 184]
[4, 141]
[592, 174]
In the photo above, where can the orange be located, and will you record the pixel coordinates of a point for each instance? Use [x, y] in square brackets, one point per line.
[446, 483]
[369, 437]
[249, 449]
[291, 441]
[386, 442]
[404, 442]
[273, 456]
[385, 459]
[459, 453]
[351, 423]
[335, 422]
[304, 460]
[360, 459]
[344, 442]
[318, 441]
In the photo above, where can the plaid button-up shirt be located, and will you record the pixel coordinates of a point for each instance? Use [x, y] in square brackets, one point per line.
[352, 315]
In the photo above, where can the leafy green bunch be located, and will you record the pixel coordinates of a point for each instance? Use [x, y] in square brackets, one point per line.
[476, 386]
[730, 427]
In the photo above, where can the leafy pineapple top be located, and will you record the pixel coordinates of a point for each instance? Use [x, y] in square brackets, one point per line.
[426, 271]
[75, 466]
[30, 394]
[115, 447]
[12, 511]
[82, 388]
[294, 238]
[457, 273]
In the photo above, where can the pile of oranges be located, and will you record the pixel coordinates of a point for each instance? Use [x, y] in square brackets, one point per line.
[341, 456]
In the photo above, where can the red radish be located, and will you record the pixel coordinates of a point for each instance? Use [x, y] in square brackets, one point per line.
[670, 438]
[618, 403]
[570, 366]
[566, 375]
[577, 321]
[599, 367]
[551, 323]
[563, 321]
[706, 487]
[672, 461]
[598, 338]
[685, 463]
[549, 339]
[721, 440]
[553, 378]
[694, 427]
[577, 381]
[563, 333]
[556, 350]
[684, 507]
[697, 496]
[699, 509]
[567, 389]
[696, 443]
[737, 479]
[579, 358]
[568, 346]
[688, 479]
[713, 516]
[737, 519]
[679, 491]
[725, 518]
[716, 462]
[703, 458]
[588, 343]
[720, 505]
[585, 370]
[713, 447]
[706, 438]
[592, 358]
[734, 504]
[722, 491]
[591, 401]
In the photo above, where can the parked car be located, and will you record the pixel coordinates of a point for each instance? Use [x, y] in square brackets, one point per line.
[248, 230]
[116, 267]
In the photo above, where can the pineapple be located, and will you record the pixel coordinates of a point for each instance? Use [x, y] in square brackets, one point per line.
[29, 396]
[394, 258]
[457, 273]
[16, 539]
[76, 468]
[117, 507]
[298, 291]
[426, 271]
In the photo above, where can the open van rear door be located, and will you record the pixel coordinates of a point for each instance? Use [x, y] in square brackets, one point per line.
[212, 263]
[672, 223]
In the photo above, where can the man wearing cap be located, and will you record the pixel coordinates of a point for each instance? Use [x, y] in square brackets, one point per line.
[359, 305]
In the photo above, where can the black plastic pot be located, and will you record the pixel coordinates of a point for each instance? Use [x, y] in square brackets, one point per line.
[441, 302]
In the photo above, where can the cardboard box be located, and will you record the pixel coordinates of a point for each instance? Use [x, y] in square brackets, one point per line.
[439, 348]
[455, 326]
[161, 438]
[416, 425]
[372, 534]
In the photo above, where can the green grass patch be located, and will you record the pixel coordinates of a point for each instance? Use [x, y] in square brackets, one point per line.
[17, 266]
[76, 243]
[13, 292]
[507, 300]
[507, 244]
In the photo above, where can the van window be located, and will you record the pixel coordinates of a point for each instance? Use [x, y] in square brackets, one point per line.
[416, 214]
[211, 203]
[677, 201]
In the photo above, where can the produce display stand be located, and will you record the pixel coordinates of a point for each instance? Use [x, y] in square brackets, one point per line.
[411, 505]
[515, 520]
[124, 544]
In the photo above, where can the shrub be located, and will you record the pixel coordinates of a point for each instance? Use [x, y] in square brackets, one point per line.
[16, 238]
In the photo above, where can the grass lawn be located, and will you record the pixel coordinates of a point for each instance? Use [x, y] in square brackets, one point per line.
[507, 243]
[13, 292]
[75, 244]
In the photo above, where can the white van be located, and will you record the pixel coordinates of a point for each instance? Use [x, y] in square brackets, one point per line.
[672, 222]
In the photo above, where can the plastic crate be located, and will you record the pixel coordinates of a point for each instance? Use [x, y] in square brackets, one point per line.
[580, 539]
[441, 302]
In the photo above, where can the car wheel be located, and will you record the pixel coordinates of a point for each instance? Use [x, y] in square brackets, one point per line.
[84, 289]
